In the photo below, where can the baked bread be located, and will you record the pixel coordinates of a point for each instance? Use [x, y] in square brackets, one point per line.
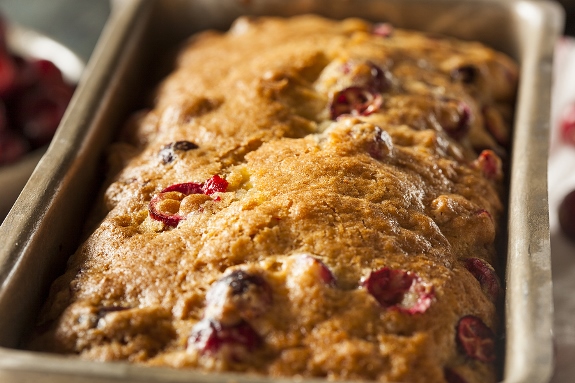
[306, 197]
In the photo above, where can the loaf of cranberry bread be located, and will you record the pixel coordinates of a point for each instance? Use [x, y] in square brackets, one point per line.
[305, 197]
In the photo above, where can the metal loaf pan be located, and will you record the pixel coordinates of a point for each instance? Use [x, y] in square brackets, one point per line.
[44, 226]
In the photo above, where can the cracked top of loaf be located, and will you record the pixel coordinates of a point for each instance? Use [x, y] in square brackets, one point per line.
[305, 197]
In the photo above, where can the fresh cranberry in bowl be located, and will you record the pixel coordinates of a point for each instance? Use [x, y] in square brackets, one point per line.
[38, 112]
[12, 146]
[8, 74]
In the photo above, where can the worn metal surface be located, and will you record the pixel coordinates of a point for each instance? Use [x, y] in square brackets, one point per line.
[64, 185]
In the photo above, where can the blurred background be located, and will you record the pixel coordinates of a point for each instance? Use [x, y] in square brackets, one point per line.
[77, 23]
[74, 23]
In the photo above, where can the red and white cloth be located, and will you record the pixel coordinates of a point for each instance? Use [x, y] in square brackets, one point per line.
[561, 179]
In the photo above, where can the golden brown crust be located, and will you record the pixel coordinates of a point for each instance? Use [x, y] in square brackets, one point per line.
[316, 202]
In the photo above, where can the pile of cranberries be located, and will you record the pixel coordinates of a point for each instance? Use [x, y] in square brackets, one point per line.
[33, 98]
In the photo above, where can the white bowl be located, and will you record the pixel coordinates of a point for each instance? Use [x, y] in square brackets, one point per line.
[31, 44]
